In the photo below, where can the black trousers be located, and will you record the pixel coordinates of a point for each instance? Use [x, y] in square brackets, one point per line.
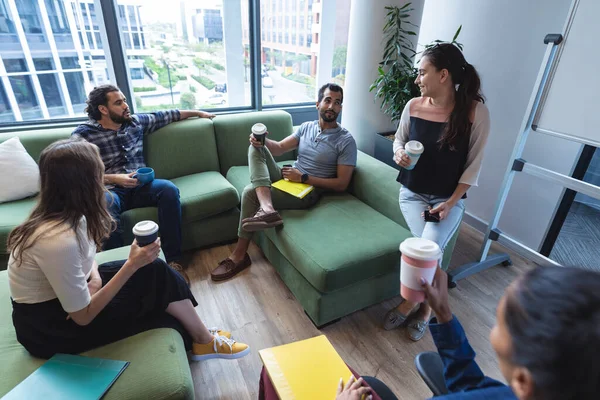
[44, 330]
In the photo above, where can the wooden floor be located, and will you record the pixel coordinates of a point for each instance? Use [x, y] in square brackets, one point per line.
[259, 310]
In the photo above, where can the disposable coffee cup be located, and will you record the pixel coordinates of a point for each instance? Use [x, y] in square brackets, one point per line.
[413, 149]
[145, 232]
[420, 259]
[259, 131]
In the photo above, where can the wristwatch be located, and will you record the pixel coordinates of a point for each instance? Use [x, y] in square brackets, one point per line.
[304, 178]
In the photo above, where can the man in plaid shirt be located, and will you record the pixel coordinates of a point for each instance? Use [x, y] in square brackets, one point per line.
[120, 138]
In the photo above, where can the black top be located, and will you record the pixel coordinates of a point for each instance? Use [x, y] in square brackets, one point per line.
[439, 168]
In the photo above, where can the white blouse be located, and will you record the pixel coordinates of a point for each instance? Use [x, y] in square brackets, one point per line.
[56, 266]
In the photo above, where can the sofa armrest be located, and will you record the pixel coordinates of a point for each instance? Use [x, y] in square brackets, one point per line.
[374, 183]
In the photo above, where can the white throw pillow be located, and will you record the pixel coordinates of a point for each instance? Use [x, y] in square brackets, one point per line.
[19, 174]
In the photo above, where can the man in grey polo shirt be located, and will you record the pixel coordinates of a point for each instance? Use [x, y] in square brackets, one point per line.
[326, 159]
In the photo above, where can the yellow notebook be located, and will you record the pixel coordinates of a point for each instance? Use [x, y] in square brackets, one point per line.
[300, 190]
[305, 370]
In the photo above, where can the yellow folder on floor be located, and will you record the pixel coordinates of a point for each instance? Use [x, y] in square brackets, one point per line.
[300, 190]
[305, 370]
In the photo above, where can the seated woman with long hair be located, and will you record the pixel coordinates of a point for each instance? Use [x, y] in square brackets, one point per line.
[62, 301]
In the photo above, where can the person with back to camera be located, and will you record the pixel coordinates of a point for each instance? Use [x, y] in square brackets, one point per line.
[546, 333]
[451, 124]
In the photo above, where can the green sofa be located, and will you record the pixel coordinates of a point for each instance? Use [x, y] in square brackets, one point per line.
[338, 257]
[158, 366]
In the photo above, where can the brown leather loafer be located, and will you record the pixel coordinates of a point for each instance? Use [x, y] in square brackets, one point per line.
[261, 220]
[228, 269]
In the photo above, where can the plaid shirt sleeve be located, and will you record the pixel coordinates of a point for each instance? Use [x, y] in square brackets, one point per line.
[156, 120]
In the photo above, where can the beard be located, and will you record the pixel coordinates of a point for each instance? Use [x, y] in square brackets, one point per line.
[329, 116]
[119, 118]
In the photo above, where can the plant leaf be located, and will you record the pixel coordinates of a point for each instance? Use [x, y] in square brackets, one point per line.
[457, 33]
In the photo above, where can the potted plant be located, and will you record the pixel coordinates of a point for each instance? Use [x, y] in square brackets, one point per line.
[396, 74]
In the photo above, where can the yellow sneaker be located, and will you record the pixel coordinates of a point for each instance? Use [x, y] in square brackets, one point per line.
[219, 347]
[219, 332]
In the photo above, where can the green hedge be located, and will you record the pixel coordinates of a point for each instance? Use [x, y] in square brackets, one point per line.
[307, 80]
[144, 89]
[204, 81]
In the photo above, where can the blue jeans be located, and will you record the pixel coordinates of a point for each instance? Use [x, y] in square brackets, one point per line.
[159, 193]
[413, 204]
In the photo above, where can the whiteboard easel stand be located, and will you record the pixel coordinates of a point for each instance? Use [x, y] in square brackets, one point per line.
[520, 165]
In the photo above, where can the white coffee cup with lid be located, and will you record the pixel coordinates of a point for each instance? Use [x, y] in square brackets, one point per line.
[413, 149]
[259, 131]
[145, 232]
[420, 258]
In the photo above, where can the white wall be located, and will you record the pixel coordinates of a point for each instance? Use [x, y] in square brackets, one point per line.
[504, 40]
[362, 115]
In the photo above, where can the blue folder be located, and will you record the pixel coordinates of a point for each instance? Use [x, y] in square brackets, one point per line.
[66, 376]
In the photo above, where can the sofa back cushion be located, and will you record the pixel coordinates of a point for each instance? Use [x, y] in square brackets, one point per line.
[182, 148]
[37, 140]
[232, 131]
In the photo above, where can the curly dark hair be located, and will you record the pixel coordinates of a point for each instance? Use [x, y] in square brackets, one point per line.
[97, 98]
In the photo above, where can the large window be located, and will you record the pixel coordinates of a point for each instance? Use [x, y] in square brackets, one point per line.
[178, 56]
[291, 53]
[187, 54]
[49, 65]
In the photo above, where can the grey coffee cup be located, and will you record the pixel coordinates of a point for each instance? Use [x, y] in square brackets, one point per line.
[145, 232]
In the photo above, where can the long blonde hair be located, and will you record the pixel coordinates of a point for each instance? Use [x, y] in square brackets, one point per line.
[71, 187]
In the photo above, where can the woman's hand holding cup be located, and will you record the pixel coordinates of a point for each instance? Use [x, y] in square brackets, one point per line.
[401, 158]
[142, 256]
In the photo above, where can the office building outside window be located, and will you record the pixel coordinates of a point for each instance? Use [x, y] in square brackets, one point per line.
[290, 54]
[190, 54]
[52, 54]
[186, 62]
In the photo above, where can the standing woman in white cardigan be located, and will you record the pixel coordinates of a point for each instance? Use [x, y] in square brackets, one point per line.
[452, 122]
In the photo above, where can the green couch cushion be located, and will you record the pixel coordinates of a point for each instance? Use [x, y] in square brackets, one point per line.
[182, 148]
[232, 132]
[375, 184]
[11, 215]
[202, 195]
[159, 366]
[336, 243]
[37, 140]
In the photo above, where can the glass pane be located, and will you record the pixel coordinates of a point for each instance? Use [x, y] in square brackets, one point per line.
[50, 89]
[15, 65]
[181, 59]
[43, 64]
[340, 43]
[6, 114]
[57, 16]
[29, 16]
[6, 23]
[76, 90]
[288, 62]
[69, 62]
[86, 66]
[25, 95]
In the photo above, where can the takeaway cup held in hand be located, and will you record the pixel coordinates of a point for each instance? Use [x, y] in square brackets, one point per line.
[413, 149]
[420, 259]
[145, 232]
[259, 131]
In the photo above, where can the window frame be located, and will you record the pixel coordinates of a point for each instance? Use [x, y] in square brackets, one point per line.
[109, 12]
